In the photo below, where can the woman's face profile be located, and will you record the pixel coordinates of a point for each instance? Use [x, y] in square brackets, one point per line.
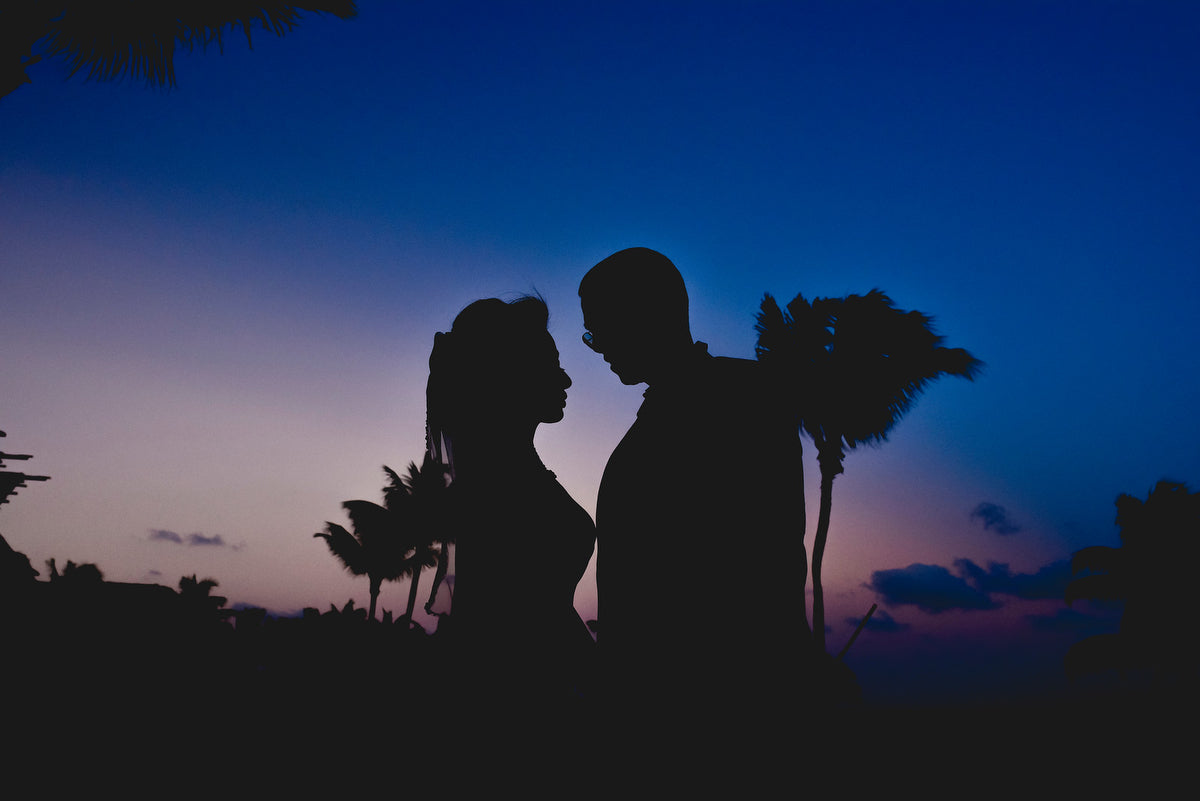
[543, 385]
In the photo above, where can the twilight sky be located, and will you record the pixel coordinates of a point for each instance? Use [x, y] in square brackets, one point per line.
[217, 302]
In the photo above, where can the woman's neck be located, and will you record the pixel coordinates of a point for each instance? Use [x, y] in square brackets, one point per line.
[494, 454]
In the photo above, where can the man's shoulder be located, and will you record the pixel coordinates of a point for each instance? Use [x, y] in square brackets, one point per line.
[733, 365]
[729, 375]
[714, 388]
[749, 388]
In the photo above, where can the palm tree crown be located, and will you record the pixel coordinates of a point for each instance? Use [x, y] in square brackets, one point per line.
[373, 548]
[855, 365]
[419, 493]
[851, 368]
[393, 540]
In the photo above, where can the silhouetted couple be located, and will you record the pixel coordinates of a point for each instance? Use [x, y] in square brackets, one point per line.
[699, 566]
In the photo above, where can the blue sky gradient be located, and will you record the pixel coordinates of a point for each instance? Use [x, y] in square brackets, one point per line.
[217, 301]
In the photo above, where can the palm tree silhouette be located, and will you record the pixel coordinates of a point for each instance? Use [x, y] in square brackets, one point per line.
[81, 575]
[389, 541]
[852, 367]
[197, 598]
[417, 496]
[375, 548]
[113, 39]
[1150, 573]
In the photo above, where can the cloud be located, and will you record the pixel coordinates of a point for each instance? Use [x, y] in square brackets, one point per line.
[1049, 581]
[995, 518]
[191, 540]
[933, 588]
[162, 535]
[930, 588]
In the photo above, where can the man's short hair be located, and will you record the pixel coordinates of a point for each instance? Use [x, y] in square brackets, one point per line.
[638, 281]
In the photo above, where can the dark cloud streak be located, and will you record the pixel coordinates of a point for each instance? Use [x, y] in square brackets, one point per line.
[934, 589]
[191, 540]
[1049, 581]
[930, 588]
[995, 518]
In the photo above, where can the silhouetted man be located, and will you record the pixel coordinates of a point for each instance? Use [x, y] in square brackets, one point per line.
[699, 518]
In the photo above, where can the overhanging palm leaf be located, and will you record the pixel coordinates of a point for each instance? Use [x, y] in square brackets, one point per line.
[112, 39]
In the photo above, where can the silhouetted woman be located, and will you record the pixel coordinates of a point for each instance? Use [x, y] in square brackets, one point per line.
[521, 542]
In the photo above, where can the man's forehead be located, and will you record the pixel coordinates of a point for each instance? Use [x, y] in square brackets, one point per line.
[590, 314]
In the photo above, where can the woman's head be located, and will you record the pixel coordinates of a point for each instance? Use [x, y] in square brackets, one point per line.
[497, 369]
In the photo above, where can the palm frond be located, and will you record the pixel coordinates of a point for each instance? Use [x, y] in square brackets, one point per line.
[368, 516]
[881, 359]
[396, 491]
[345, 546]
[382, 532]
[114, 39]
[417, 559]
[395, 539]
[427, 487]
[792, 345]
[429, 478]
[773, 328]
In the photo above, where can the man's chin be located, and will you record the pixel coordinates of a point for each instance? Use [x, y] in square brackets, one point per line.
[625, 372]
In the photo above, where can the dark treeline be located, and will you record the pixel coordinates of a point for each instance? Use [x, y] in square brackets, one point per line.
[151, 682]
[107, 666]
[83, 641]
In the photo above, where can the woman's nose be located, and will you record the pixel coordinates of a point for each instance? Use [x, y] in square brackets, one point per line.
[566, 380]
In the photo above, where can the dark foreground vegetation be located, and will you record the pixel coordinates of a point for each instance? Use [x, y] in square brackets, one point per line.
[111, 671]
[134, 648]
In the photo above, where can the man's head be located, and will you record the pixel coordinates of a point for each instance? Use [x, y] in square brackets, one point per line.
[635, 310]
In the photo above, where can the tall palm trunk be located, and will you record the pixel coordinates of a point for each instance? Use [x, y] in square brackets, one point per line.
[439, 574]
[412, 592]
[375, 586]
[829, 456]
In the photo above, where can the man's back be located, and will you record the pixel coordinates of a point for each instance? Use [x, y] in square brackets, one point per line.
[700, 518]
